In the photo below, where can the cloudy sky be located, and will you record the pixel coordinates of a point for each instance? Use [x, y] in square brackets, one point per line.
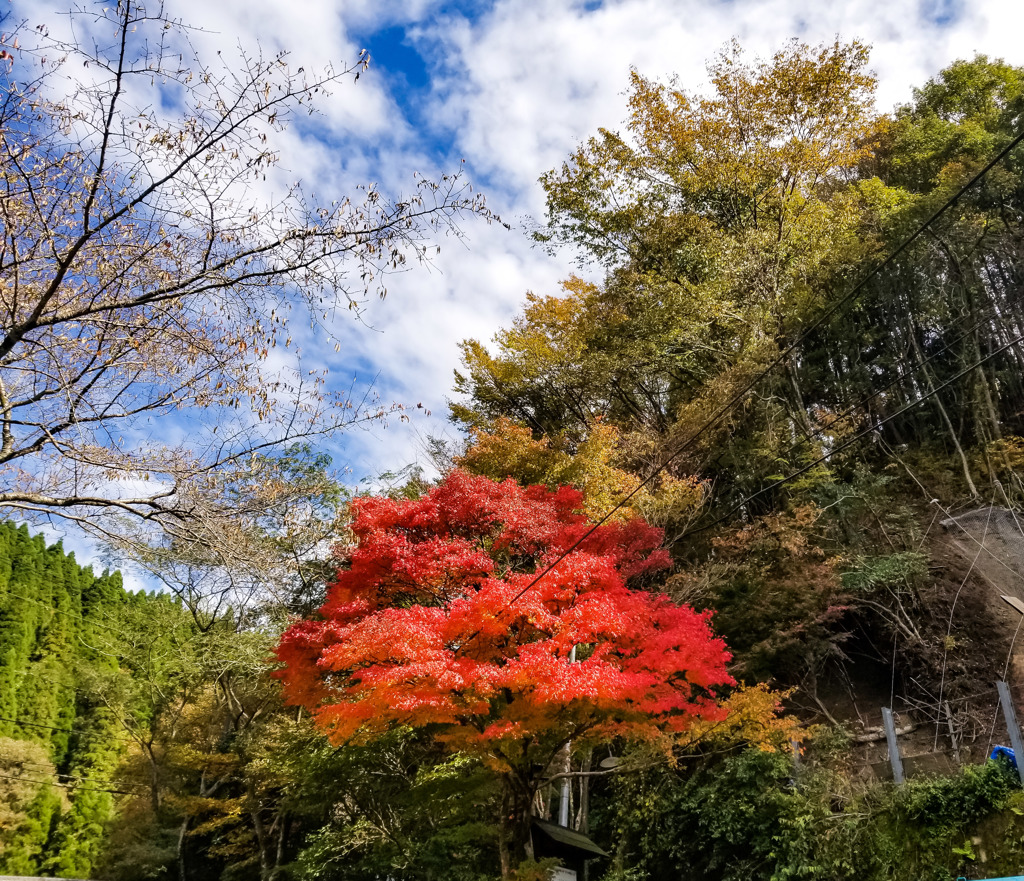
[510, 87]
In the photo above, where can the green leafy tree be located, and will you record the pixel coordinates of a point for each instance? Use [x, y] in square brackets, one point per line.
[720, 220]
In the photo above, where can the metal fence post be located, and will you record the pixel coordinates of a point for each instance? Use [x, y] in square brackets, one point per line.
[894, 749]
[1010, 715]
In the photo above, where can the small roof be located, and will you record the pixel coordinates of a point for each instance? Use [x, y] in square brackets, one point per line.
[569, 837]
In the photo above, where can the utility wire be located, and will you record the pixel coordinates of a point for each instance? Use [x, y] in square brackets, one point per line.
[819, 432]
[849, 411]
[47, 727]
[73, 786]
[63, 776]
[731, 404]
[849, 442]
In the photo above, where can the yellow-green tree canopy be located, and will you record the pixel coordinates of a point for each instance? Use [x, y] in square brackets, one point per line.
[719, 219]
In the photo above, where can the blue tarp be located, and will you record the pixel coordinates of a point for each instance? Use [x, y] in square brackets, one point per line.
[1006, 753]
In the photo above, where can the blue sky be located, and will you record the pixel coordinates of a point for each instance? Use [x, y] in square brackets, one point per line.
[511, 86]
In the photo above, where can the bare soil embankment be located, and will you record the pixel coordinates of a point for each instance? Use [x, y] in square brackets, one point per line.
[942, 688]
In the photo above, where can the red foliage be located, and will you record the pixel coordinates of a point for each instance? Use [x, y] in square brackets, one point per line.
[421, 628]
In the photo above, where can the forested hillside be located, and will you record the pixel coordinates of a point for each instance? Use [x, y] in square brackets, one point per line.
[750, 476]
[803, 360]
[60, 743]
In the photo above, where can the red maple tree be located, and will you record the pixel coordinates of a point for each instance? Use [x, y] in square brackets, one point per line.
[438, 618]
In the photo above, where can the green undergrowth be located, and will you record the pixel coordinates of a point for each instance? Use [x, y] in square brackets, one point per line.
[757, 816]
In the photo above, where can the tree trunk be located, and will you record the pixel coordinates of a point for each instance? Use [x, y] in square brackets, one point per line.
[262, 842]
[514, 840]
[282, 835]
[945, 416]
[154, 778]
[797, 407]
[182, 874]
[583, 814]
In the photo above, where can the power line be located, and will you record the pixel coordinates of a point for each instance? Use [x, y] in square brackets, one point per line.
[28, 724]
[849, 411]
[870, 430]
[74, 786]
[731, 404]
[63, 776]
[41, 725]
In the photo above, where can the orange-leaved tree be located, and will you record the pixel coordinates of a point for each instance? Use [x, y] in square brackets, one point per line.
[445, 617]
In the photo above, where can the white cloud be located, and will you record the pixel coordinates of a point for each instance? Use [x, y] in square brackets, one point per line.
[519, 88]
[513, 91]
